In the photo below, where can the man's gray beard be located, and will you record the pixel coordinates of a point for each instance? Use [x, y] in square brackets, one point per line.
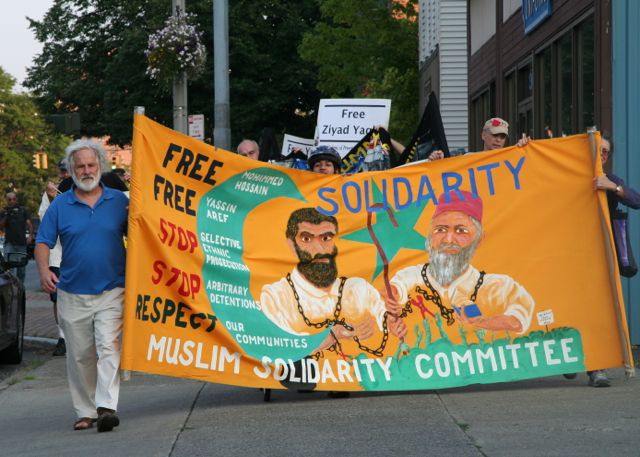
[84, 185]
[445, 268]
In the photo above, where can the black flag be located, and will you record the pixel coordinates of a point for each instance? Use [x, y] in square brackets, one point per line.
[269, 149]
[429, 135]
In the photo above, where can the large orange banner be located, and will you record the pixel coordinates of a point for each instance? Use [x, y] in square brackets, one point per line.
[483, 268]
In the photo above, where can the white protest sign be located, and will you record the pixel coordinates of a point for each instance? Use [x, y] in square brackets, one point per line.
[545, 317]
[343, 122]
[196, 126]
[291, 142]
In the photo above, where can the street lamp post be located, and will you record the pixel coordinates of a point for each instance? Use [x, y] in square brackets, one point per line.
[180, 110]
[222, 129]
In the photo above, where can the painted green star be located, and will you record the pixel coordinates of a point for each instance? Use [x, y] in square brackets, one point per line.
[390, 236]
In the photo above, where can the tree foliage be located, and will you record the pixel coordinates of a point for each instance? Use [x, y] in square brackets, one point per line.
[270, 83]
[368, 48]
[23, 131]
[93, 62]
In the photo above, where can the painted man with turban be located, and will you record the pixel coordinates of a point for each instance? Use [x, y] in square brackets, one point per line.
[449, 286]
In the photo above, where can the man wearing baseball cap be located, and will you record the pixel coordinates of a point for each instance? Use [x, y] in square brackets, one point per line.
[495, 134]
[465, 298]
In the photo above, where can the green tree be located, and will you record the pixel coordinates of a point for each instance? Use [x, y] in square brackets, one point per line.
[368, 48]
[271, 86]
[93, 63]
[23, 131]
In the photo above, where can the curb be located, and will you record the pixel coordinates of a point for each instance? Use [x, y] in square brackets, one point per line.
[39, 339]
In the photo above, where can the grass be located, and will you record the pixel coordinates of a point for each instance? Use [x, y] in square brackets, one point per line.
[24, 373]
[464, 427]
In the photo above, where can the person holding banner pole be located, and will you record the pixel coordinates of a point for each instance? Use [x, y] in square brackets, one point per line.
[617, 193]
[90, 219]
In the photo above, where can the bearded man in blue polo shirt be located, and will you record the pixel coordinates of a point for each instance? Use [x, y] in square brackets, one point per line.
[90, 220]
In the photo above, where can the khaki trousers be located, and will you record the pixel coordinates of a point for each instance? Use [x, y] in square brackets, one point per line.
[92, 324]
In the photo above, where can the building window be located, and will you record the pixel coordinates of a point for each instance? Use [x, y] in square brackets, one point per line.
[587, 73]
[509, 7]
[482, 22]
[564, 91]
[525, 103]
[518, 101]
[482, 108]
[509, 112]
[544, 94]
[565, 76]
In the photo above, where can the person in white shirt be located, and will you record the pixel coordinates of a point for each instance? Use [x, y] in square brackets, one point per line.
[55, 256]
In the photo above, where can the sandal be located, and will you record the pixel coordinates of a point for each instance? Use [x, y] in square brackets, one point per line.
[83, 423]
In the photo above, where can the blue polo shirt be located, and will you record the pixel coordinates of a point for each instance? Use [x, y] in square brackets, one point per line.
[93, 254]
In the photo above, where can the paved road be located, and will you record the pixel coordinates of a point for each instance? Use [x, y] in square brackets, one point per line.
[172, 417]
[180, 418]
[31, 279]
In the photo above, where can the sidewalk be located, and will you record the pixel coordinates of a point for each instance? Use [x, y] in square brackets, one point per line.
[39, 319]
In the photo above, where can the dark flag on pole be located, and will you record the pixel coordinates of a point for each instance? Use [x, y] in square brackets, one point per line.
[371, 153]
[428, 137]
[269, 149]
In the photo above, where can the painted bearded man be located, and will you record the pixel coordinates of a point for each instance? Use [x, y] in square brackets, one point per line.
[454, 289]
[313, 294]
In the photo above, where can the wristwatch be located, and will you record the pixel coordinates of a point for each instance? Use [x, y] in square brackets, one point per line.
[618, 189]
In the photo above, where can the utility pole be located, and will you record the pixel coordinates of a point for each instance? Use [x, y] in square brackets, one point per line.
[222, 128]
[180, 110]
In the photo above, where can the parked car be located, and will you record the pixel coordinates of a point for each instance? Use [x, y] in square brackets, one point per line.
[12, 308]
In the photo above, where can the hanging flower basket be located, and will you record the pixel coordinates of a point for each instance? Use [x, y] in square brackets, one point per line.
[176, 48]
